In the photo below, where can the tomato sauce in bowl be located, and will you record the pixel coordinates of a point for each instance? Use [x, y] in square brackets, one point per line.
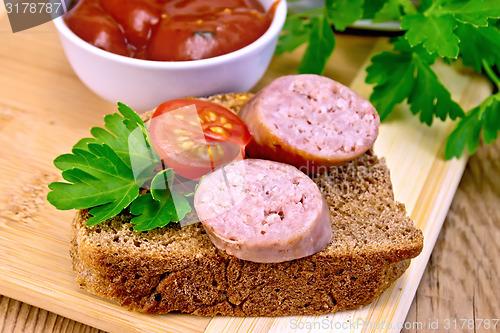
[169, 30]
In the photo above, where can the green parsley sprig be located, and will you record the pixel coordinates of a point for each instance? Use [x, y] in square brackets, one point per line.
[445, 29]
[105, 174]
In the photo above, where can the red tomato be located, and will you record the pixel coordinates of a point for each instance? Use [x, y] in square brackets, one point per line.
[137, 18]
[173, 30]
[199, 29]
[194, 137]
[92, 24]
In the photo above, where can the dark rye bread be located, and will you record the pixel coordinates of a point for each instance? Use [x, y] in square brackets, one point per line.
[178, 269]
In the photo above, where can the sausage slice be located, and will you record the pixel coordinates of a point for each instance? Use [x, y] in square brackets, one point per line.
[263, 211]
[309, 121]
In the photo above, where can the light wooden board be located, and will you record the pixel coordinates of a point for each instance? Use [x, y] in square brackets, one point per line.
[57, 110]
[423, 181]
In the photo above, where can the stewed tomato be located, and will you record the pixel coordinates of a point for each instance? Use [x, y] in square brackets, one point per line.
[194, 137]
[169, 30]
[94, 25]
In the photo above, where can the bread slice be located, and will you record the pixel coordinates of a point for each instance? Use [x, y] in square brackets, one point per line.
[179, 269]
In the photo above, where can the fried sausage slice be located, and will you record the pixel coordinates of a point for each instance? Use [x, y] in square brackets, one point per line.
[309, 121]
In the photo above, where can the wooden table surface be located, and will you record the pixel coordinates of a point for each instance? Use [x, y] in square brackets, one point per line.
[461, 279]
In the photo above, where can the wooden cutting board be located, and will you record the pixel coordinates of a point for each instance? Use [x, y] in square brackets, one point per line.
[45, 109]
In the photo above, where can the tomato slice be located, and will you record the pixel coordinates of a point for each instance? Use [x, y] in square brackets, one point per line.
[194, 137]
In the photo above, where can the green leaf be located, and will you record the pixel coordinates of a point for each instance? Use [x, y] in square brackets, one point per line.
[434, 32]
[394, 10]
[491, 118]
[475, 12]
[160, 206]
[478, 44]
[295, 32]
[344, 12]
[130, 118]
[392, 86]
[466, 133]
[424, 5]
[99, 179]
[429, 97]
[485, 117]
[391, 10]
[143, 159]
[117, 135]
[402, 45]
[321, 45]
[104, 173]
[434, 28]
[410, 77]
[128, 137]
[408, 6]
[371, 7]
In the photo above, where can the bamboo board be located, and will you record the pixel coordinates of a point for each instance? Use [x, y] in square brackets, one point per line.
[44, 109]
[423, 181]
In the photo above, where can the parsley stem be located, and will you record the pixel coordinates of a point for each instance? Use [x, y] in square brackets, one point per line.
[491, 74]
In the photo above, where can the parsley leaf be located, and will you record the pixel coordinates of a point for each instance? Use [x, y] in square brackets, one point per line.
[120, 133]
[485, 118]
[104, 173]
[295, 32]
[435, 26]
[430, 98]
[475, 12]
[344, 12]
[434, 32]
[392, 87]
[313, 28]
[393, 10]
[491, 118]
[161, 205]
[321, 45]
[98, 178]
[371, 7]
[478, 44]
[411, 78]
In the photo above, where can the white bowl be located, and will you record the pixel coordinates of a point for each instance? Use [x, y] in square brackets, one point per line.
[144, 84]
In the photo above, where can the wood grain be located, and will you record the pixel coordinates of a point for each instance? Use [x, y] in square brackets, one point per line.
[421, 179]
[20, 317]
[472, 280]
[460, 278]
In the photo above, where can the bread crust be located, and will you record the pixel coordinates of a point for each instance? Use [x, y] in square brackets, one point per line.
[214, 283]
[179, 269]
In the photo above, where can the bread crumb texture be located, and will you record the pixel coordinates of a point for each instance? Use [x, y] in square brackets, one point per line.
[179, 269]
